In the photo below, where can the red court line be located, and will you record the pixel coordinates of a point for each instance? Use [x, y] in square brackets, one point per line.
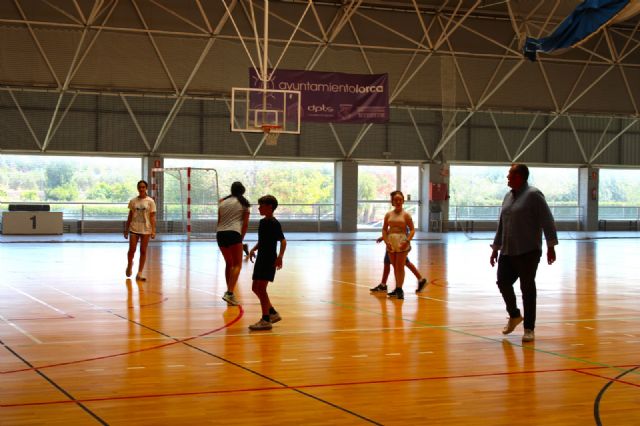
[229, 324]
[612, 379]
[314, 386]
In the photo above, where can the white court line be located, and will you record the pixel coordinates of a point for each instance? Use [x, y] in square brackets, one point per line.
[324, 357]
[42, 302]
[393, 354]
[359, 356]
[135, 368]
[175, 365]
[24, 332]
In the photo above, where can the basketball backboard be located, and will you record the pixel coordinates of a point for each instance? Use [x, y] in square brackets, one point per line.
[254, 109]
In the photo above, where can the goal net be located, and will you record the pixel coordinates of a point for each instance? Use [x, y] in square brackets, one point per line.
[187, 200]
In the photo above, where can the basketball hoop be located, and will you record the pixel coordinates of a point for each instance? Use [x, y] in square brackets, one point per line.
[271, 133]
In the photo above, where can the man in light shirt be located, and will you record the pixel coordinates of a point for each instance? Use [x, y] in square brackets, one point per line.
[524, 217]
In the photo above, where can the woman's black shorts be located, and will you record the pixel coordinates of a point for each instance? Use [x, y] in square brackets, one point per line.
[228, 238]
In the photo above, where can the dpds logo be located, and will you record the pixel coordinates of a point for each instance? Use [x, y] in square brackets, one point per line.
[320, 108]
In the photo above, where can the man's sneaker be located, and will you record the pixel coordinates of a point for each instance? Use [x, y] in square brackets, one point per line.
[511, 325]
[274, 318]
[399, 293]
[261, 325]
[529, 335]
[421, 285]
[245, 249]
[230, 298]
[393, 293]
[379, 287]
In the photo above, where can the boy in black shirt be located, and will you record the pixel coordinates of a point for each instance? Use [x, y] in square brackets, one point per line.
[269, 233]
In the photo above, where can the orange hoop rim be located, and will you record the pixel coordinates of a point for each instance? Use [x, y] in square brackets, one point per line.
[267, 128]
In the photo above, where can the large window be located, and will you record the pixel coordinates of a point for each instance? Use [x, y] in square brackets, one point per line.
[81, 187]
[375, 183]
[619, 194]
[305, 190]
[477, 191]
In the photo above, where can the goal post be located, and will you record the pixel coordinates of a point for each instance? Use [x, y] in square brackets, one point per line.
[187, 200]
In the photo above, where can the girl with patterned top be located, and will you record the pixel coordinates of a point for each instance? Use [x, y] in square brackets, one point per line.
[233, 221]
[141, 226]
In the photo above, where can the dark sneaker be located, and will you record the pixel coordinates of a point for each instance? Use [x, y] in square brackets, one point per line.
[399, 293]
[511, 325]
[421, 285]
[274, 318]
[393, 293]
[261, 325]
[245, 249]
[379, 287]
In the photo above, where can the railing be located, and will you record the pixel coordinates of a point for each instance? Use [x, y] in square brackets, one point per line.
[371, 213]
[104, 211]
[619, 212]
[464, 215]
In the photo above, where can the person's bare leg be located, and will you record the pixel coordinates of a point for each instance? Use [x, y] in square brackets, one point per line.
[233, 259]
[414, 270]
[144, 242]
[133, 242]
[398, 260]
[385, 273]
[259, 287]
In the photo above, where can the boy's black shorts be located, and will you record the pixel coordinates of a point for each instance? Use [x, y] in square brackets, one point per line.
[264, 270]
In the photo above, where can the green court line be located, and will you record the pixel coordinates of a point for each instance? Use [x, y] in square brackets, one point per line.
[490, 339]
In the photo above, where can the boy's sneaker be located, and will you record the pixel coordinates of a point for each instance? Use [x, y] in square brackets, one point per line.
[393, 293]
[261, 325]
[379, 287]
[274, 318]
[529, 335]
[421, 285]
[399, 293]
[230, 298]
[511, 325]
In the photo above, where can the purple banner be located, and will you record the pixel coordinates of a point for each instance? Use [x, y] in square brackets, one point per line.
[334, 97]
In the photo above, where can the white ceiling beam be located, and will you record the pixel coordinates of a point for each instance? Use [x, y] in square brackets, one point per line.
[155, 47]
[502, 141]
[578, 140]
[612, 140]
[26, 121]
[135, 122]
[37, 43]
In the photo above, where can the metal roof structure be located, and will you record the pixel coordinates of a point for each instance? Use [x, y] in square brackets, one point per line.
[459, 58]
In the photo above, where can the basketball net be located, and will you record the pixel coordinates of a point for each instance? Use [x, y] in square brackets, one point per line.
[271, 134]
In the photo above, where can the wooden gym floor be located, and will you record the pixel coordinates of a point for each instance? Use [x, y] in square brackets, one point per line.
[80, 344]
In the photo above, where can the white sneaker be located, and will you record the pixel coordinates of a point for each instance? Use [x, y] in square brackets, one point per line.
[511, 325]
[529, 335]
[261, 325]
[230, 299]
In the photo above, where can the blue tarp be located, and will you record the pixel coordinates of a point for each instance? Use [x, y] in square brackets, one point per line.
[586, 19]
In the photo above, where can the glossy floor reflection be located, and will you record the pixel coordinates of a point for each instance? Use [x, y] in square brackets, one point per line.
[84, 345]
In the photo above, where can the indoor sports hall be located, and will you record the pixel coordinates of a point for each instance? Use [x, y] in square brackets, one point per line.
[329, 106]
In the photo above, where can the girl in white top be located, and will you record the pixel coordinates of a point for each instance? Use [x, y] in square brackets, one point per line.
[141, 226]
[233, 221]
[394, 234]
